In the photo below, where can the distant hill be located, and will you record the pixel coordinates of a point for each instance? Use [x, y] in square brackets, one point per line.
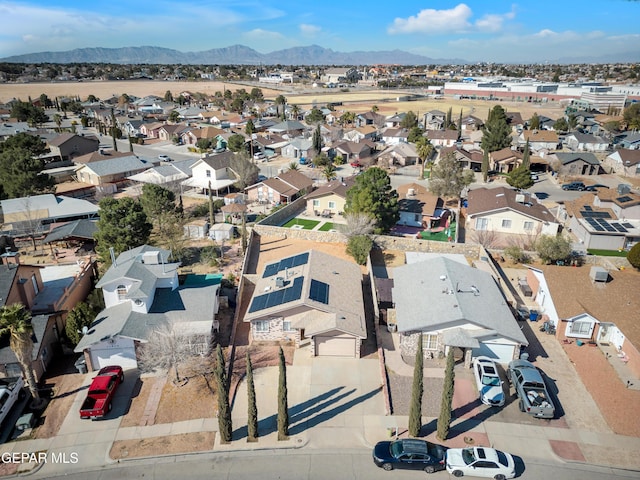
[233, 55]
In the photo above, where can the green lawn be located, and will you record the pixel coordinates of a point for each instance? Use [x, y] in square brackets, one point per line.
[306, 224]
[440, 236]
[326, 227]
[607, 253]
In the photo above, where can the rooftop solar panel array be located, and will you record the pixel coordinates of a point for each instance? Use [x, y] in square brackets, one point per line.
[602, 225]
[591, 214]
[278, 297]
[319, 291]
[290, 262]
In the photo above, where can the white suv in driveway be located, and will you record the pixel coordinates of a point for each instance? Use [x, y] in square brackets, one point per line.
[164, 158]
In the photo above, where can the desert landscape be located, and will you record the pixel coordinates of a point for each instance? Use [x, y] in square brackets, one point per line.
[356, 101]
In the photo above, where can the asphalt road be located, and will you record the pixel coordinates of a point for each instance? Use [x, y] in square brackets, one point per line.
[314, 465]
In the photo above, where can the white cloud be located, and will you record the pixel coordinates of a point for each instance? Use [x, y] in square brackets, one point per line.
[260, 34]
[309, 30]
[493, 22]
[434, 21]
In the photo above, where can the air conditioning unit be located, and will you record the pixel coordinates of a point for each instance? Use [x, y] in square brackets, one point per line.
[624, 188]
[279, 282]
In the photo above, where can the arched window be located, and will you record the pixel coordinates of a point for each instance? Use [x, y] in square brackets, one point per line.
[122, 292]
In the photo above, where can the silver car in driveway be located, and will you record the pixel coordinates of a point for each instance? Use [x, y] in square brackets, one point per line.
[488, 381]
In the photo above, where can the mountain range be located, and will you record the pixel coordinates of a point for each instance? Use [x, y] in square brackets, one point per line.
[233, 55]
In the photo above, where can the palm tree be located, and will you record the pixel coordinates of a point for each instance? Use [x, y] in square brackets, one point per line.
[329, 172]
[15, 320]
[424, 150]
[295, 111]
[58, 119]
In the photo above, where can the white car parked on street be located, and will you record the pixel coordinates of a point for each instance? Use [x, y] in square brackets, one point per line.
[480, 462]
[488, 381]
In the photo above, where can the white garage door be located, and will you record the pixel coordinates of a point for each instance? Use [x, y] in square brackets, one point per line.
[116, 352]
[500, 352]
[335, 347]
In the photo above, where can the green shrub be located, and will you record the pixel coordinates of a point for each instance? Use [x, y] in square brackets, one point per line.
[516, 254]
[633, 257]
[359, 247]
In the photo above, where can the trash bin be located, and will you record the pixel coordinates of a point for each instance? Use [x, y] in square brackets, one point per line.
[81, 365]
[524, 356]
[533, 315]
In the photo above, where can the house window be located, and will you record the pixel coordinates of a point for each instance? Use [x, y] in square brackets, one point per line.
[316, 203]
[332, 205]
[34, 280]
[506, 223]
[416, 217]
[528, 226]
[482, 223]
[262, 326]
[286, 326]
[208, 172]
[429, 341]
[582, 329]
[122, 292]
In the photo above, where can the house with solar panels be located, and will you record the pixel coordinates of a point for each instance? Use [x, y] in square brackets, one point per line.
[313, 300]
[608, 219]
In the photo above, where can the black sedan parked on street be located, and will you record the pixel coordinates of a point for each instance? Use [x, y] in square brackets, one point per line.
[410, 454]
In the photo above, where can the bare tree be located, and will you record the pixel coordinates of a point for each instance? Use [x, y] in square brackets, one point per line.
[167, 348]
[486, 238]
[357, 224]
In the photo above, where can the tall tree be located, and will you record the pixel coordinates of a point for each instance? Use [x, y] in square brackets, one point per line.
[317, 140]
[448, 178]
[534, 122]
[485, 165]
[496, 133]
[444, 420]
[82, 315]
[168, 96]
[245, 170]
[21, 174]
[156, 202]
[372, 194]
[526, 156]
[424, 149]
[460, 125]
[122, 225]
[235, 142]
[250, 128]
[448, 119]
[409, 121]
[15, 320]
[24, 141]
[283, 404]
[224, 409]
[252, 409]
[520, 177]
[212, 217]
[281, 103]
[415, 409]
[329, 172]
[631, 116]
[114, 130]
[314, 116]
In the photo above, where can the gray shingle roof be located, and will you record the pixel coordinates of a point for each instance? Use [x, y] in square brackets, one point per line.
[77, 229]
[116, 165]
[441, 294]
[586, 157]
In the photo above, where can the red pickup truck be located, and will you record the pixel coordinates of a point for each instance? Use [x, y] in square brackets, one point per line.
[100, 396]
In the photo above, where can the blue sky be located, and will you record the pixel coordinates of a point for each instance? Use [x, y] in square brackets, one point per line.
[497, 31]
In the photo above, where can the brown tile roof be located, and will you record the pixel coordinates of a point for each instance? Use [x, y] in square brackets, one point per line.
[514, 118]
[334, 187]
[296, 179]
[615, 301]
[442, 134]
[281, 187]
[540, 136]
[505, 154]
[612, 195]
[491, 200]
[97, 156]
[631, 156]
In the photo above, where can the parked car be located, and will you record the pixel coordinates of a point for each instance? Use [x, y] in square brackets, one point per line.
[258, 155]
[164, 158]
[488, 381]
[594, 188]
[356, 164]
[99, 399]
[522, 313]
[579, 186]
[480, 462]
[534, 176]
[531, 389]
[410, 454]
[11, 390]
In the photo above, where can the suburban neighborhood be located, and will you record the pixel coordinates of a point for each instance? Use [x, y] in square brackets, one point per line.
[254, 268]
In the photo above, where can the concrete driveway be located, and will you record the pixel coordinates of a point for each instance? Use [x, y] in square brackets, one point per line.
[332, 400]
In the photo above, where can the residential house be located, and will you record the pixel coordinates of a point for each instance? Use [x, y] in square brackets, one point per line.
[369, 118]
[168, 175]
[299, 148]
[67, 146]
[539, 140]
[578, 164]
[213, 172]
[313, 299]
[393, 135]
[340, 75]
[168, 131]
[329, 199]
[351, 152]
[291, 128]
[49, 293]
[500, 216]
[624, 162]
[112, 170]
[398, 154]
[434, 120]
[151, 130]
[450, 305]
[442, 138]
[628, 140]
[515, 121]
[100, 155]
[142, 293]
[469, 159]
[131, 127]
[9, 129]
[605, 220]
[418, 206]
[189, 113]
[192, 135]
[367, 132]
[33, 215]
[585, 142]
[471, 124]
[505, 160]
[394, 121]
[283, 188]
[594, 306]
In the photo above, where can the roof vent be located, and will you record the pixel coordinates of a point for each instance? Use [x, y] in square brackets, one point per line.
[598, 274]
[411, 192]
[520, 198]
[279, 282]
[443, 277]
